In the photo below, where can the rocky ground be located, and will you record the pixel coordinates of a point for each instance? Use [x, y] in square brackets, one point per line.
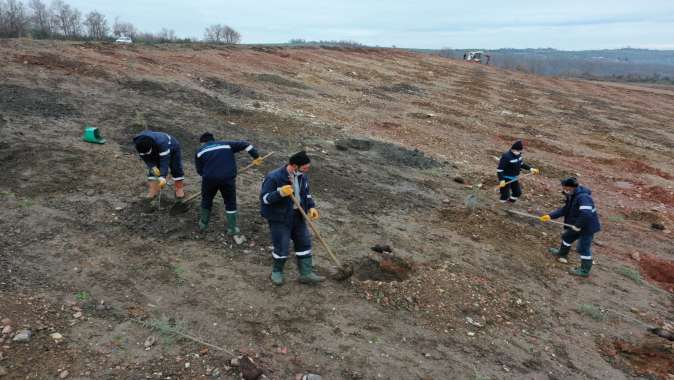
[96, 285]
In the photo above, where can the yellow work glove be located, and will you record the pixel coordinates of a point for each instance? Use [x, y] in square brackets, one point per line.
[502, 184]
[535, 171]
[286, 191]
[257, 161]
[162, 182]
[545, 218]
[313, 214]
[156, 172]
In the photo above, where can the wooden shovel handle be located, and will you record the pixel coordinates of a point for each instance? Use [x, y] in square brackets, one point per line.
[515, 180]
[315, 230]
[240, 171]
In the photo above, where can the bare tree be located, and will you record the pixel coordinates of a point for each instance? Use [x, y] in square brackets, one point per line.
[222, 34]
[167, 35]
[97, 25]
[121, 28]
[42, 26]
[14, 20]
[67, 20]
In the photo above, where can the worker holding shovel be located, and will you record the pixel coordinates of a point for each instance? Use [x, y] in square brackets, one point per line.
[161, 152]
[508, 171]
[216, 164]
[581, 223]
[286, 221]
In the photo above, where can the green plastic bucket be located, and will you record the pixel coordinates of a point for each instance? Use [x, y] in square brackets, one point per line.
[92, 135]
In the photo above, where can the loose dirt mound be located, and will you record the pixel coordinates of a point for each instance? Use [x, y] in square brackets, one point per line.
[443, 297]
[403, 88]
[652, 357]
[383, 268]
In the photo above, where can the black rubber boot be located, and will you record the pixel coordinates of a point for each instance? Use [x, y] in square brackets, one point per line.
[204, 218]
[277, 272]
[583, 270]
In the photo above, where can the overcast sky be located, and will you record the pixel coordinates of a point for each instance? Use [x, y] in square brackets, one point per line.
[489, 24]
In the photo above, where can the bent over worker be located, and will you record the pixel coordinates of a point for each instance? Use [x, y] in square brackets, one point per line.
[216, 164]
[286, 223]
[580, 212]
[161, 153]
[509, 167]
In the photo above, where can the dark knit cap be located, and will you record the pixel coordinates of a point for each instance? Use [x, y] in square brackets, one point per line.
[144, 145]
[569, 182]
[299, 159]
[517, 145]
[206, 137]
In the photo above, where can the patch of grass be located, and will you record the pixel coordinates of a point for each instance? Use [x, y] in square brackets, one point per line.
[180, 274]
[168, 328]
[26, 203]
[616, 218]
[82, 296]
[631, 273]
[6, 194]
[591, 311]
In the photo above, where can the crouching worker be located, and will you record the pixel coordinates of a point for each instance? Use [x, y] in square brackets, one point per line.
[161, 152]
[285, 220]
[216, 164]
[578, 211]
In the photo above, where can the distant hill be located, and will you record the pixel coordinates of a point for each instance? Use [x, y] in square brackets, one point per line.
[629, 65]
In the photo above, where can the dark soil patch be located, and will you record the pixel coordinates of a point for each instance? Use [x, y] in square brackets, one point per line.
[383, 267]
[230, 88]
[398, 155]
[357, 144]
[278, 80]
[29, 101]
[403, 88]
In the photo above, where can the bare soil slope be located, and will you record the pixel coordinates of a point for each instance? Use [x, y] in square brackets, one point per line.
[399, 140]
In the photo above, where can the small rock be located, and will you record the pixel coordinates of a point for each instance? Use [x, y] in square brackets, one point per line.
[215, 373]
[446, 201]
[470, 333]
[7, 330]
[187, 365]
[234, 362]
[150, 341]
[658, 226]
[22, 336]
[77, 315]
[311, 376]
[56, 336]
[100, 307]
[6, 321]
[635, 256]
[459, 180]
[64, 374]
[239, 239]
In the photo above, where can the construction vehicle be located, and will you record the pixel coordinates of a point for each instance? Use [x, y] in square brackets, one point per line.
[477, 57]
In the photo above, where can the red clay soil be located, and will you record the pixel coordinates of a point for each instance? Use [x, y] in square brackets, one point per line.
[658, 270]
[652, 358]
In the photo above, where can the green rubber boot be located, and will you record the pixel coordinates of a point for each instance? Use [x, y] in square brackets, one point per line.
[583, 270]
[277, 272]
[558, 254]
[232, 229]
[307, 275]
[204, 218]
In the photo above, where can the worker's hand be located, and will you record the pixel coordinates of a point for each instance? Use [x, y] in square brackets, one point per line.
[545, 218]
[286, 191]
[313, 214]
[162, 182]
[577, 229]
[502, 184]
[535, 171]
[155, 171]
[257, 161]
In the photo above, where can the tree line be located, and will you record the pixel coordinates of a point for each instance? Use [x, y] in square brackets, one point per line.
[59, 20]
